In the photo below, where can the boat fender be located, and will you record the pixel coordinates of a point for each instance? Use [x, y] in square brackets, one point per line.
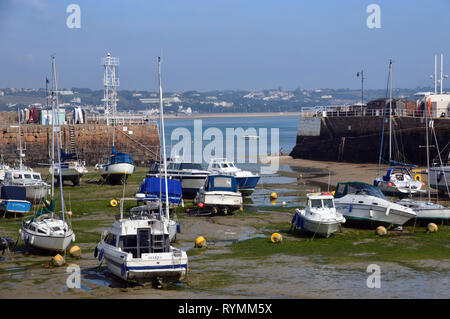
[122, 270]
[95, 252]
[371, 213]
[276, 238]
[432, 227]
[100, 256]
[294, 218]
[387, 211]
[178, 228]
[350, 208]
[418, 177]
[32, 240]
[300, 222]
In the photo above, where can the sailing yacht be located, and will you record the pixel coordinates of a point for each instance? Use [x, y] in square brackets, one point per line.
[48, 230]
[138, 248]
[398, 180]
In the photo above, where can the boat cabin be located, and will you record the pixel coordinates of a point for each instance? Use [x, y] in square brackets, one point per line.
[320, 200]
[25, 176]
[398, 174]
[220, 183]
[220, 164]
[138, 237]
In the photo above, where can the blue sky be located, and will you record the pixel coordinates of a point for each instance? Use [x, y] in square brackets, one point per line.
[227, 44]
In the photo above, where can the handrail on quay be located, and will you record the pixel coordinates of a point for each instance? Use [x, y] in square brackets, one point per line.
[363, 111]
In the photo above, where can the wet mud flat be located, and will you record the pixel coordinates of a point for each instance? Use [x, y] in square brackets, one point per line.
[240, 261]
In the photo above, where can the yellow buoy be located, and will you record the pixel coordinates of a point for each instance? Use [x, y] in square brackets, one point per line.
[273, 195]
[273, 202]
[418, 177]
[381, 231]
[75, 251]
[200, 242]
[241, 208]
[432, 227]
[276, 238]
[113, 203]
[58, 260]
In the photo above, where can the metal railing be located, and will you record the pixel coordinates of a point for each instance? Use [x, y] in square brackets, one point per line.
[347, 110]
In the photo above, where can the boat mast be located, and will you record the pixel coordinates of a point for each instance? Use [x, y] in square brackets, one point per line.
[20, 141]
[428, 155]
[163, 137]
[58, 136]
[390, 110]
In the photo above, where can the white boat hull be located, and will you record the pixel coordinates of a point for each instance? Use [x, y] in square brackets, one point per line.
[36, 192]
[45, 242]
[325, 229]
[168, 267]
[219, 199]
[116, 172]
[374, 213]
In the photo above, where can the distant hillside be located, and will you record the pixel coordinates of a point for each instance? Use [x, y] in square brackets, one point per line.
[271, 100]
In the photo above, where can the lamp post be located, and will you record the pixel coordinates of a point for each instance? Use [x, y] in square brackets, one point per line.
[361, 74]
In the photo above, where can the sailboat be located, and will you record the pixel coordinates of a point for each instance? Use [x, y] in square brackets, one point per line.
[398, 180]
[46, 229]
[138, 249]
[426, 210]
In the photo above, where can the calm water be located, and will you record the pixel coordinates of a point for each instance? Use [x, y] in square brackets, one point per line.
[287, 127]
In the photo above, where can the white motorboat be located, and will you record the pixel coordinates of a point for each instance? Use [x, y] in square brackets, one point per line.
[398, 181]
[35, 187]
[191, 175]
[46, 229]
[219, 195]
[246, 180]
[363, 203]
[72, 169]
[319, 216]
[138, 248]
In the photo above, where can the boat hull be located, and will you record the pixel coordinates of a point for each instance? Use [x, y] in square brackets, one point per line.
[15, 207]
[220, 200]
[36, 192]
[43, 242]
[322, 229]
[246, 185]
[440, 178]
[116, 173]
[168, 267]
[374, 215]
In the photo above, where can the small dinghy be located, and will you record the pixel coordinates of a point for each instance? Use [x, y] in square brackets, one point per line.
[319, 216]
[220, 194]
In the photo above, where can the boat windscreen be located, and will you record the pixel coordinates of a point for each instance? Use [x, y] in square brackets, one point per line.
[358, 189]
[196, 166]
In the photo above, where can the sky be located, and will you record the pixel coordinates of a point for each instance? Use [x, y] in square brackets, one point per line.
[224, 44]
